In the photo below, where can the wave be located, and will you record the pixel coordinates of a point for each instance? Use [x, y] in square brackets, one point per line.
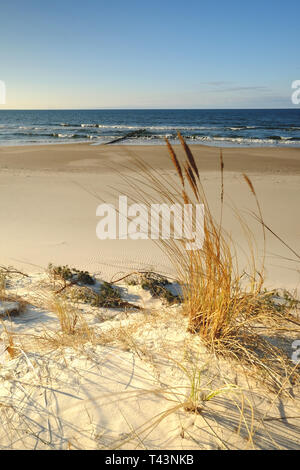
[215, 133]
[72, 136]
[183, 128]
[220, 138]
[248, 140]
[136, 127]
[203, 133]
[53, 134]
[90, 125]
[63, 124]
[30, 134]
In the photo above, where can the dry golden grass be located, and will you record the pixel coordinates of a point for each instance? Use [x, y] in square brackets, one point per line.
[74, 330]
[211, 282]
[220, 301]
[10, 346]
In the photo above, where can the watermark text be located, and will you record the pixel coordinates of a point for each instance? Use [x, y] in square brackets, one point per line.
[153, 221]
[2, 92]
[296, 353]
[296, 93]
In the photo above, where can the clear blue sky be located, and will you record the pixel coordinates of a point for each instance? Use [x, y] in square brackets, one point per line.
[149, 54]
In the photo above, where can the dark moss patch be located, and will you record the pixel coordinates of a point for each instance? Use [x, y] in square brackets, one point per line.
[156, 285]
[106, 296]
[76, 276]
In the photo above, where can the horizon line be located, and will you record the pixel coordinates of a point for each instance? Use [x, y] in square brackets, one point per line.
[143, 109]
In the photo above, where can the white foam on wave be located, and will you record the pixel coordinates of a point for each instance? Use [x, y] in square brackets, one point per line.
[248, 141]
[136, 127]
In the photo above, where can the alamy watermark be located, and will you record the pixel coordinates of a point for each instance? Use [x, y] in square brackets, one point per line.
[2, 92]
[296, 353]
[153, 221]
[296, 93]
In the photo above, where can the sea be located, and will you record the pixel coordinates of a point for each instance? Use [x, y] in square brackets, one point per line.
[217, 127]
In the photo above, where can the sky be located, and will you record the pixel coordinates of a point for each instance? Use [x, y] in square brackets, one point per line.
[141, 54]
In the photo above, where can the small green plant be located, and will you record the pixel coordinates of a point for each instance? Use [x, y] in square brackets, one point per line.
[105, 296]
[156, 285]
[197, 393]
[193, 402]
[290, 300]
[76, 276]
[109, 296]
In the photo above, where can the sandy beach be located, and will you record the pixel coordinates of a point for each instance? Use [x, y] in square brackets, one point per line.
[86, 364]
[50, 195]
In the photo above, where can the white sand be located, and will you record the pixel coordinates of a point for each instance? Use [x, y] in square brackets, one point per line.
[129, 394]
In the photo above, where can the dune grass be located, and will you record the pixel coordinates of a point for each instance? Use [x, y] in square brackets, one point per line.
[210, 278]
[74, 329]
[220, 300]
[213, 296]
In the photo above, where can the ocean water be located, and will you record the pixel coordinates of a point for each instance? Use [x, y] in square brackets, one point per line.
[269, 127]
